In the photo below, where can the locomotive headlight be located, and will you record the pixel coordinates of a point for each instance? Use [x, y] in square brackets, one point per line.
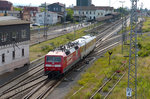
[57, 65]
[48, 65]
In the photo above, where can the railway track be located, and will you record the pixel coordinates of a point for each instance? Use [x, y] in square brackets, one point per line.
[23, 78]
[111, 82]
[25, 84]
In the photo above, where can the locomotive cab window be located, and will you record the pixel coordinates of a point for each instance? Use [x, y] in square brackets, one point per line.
[53, 59]
[57, 59]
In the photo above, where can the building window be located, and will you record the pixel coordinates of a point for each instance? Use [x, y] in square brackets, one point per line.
[23, 33]
[13, 55]
[40, 15]
[22, 52]
[54, 9]
[94, 12]
[48, 15]
[79, 12]
[14, 35]
[4, 37]
[83, 12]
[86, 12]
[90, 12]
[3, 58]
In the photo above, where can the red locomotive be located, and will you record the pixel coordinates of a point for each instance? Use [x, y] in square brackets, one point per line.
[63, 58]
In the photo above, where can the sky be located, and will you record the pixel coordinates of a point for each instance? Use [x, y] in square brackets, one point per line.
[114, 3]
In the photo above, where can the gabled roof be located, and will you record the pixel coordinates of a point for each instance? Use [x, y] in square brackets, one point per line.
[93, 8]
[59, 4]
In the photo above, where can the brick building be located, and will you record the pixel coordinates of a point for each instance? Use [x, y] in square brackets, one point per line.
[6, 5]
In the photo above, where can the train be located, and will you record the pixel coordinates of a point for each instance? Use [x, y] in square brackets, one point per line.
[63, 58]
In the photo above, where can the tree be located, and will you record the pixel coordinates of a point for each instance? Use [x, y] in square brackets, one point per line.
[17, 9]
[69, 16]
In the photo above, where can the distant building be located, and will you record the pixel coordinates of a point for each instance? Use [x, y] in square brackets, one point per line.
[50, 18]
[57, 7]
[83, 2]
[14, 43]
[6, 5]
[17, 14]
[26, 16]
[29, 13]
[31, 9]
[91, 12]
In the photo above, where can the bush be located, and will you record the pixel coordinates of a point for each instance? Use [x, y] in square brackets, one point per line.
[105, 89]
[97, 96]
[46, 48]
[87, 95]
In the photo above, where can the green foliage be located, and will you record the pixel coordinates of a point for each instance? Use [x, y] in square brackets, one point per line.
[69, 36]
[145, 50]
[87, 77]
[69, 16]
[46, 48]
[146, 25]
[87, 95]
[105, 89]
[97, 96]
[17, 9]
[42, 9]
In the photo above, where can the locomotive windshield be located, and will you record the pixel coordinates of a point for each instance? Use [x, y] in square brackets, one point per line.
[53, 59]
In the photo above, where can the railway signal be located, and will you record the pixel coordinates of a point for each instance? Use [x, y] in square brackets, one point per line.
[110, 53]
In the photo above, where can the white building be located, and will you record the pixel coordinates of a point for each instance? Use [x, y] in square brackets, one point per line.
[50, 18]
[92, 12]
[14, 43]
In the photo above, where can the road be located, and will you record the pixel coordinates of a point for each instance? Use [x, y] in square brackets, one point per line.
[52, 33]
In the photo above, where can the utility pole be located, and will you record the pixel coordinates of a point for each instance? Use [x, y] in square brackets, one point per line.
[131, 91]
[80, 13]
[122, 26]
[125, 31]
[45, 22]
[65, 17]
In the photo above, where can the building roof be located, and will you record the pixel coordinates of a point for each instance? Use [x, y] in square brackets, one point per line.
[59, 4]
[9, 20]
[47, 12]
[93, 8]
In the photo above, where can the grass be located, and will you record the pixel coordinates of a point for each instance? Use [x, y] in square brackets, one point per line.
[146, 25]
[93, 78]
[95, 75]
[143, 74]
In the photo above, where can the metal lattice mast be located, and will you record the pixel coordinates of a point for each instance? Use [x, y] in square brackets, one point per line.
[132, 73]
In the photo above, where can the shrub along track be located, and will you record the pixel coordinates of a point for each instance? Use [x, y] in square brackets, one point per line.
[111, 82]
